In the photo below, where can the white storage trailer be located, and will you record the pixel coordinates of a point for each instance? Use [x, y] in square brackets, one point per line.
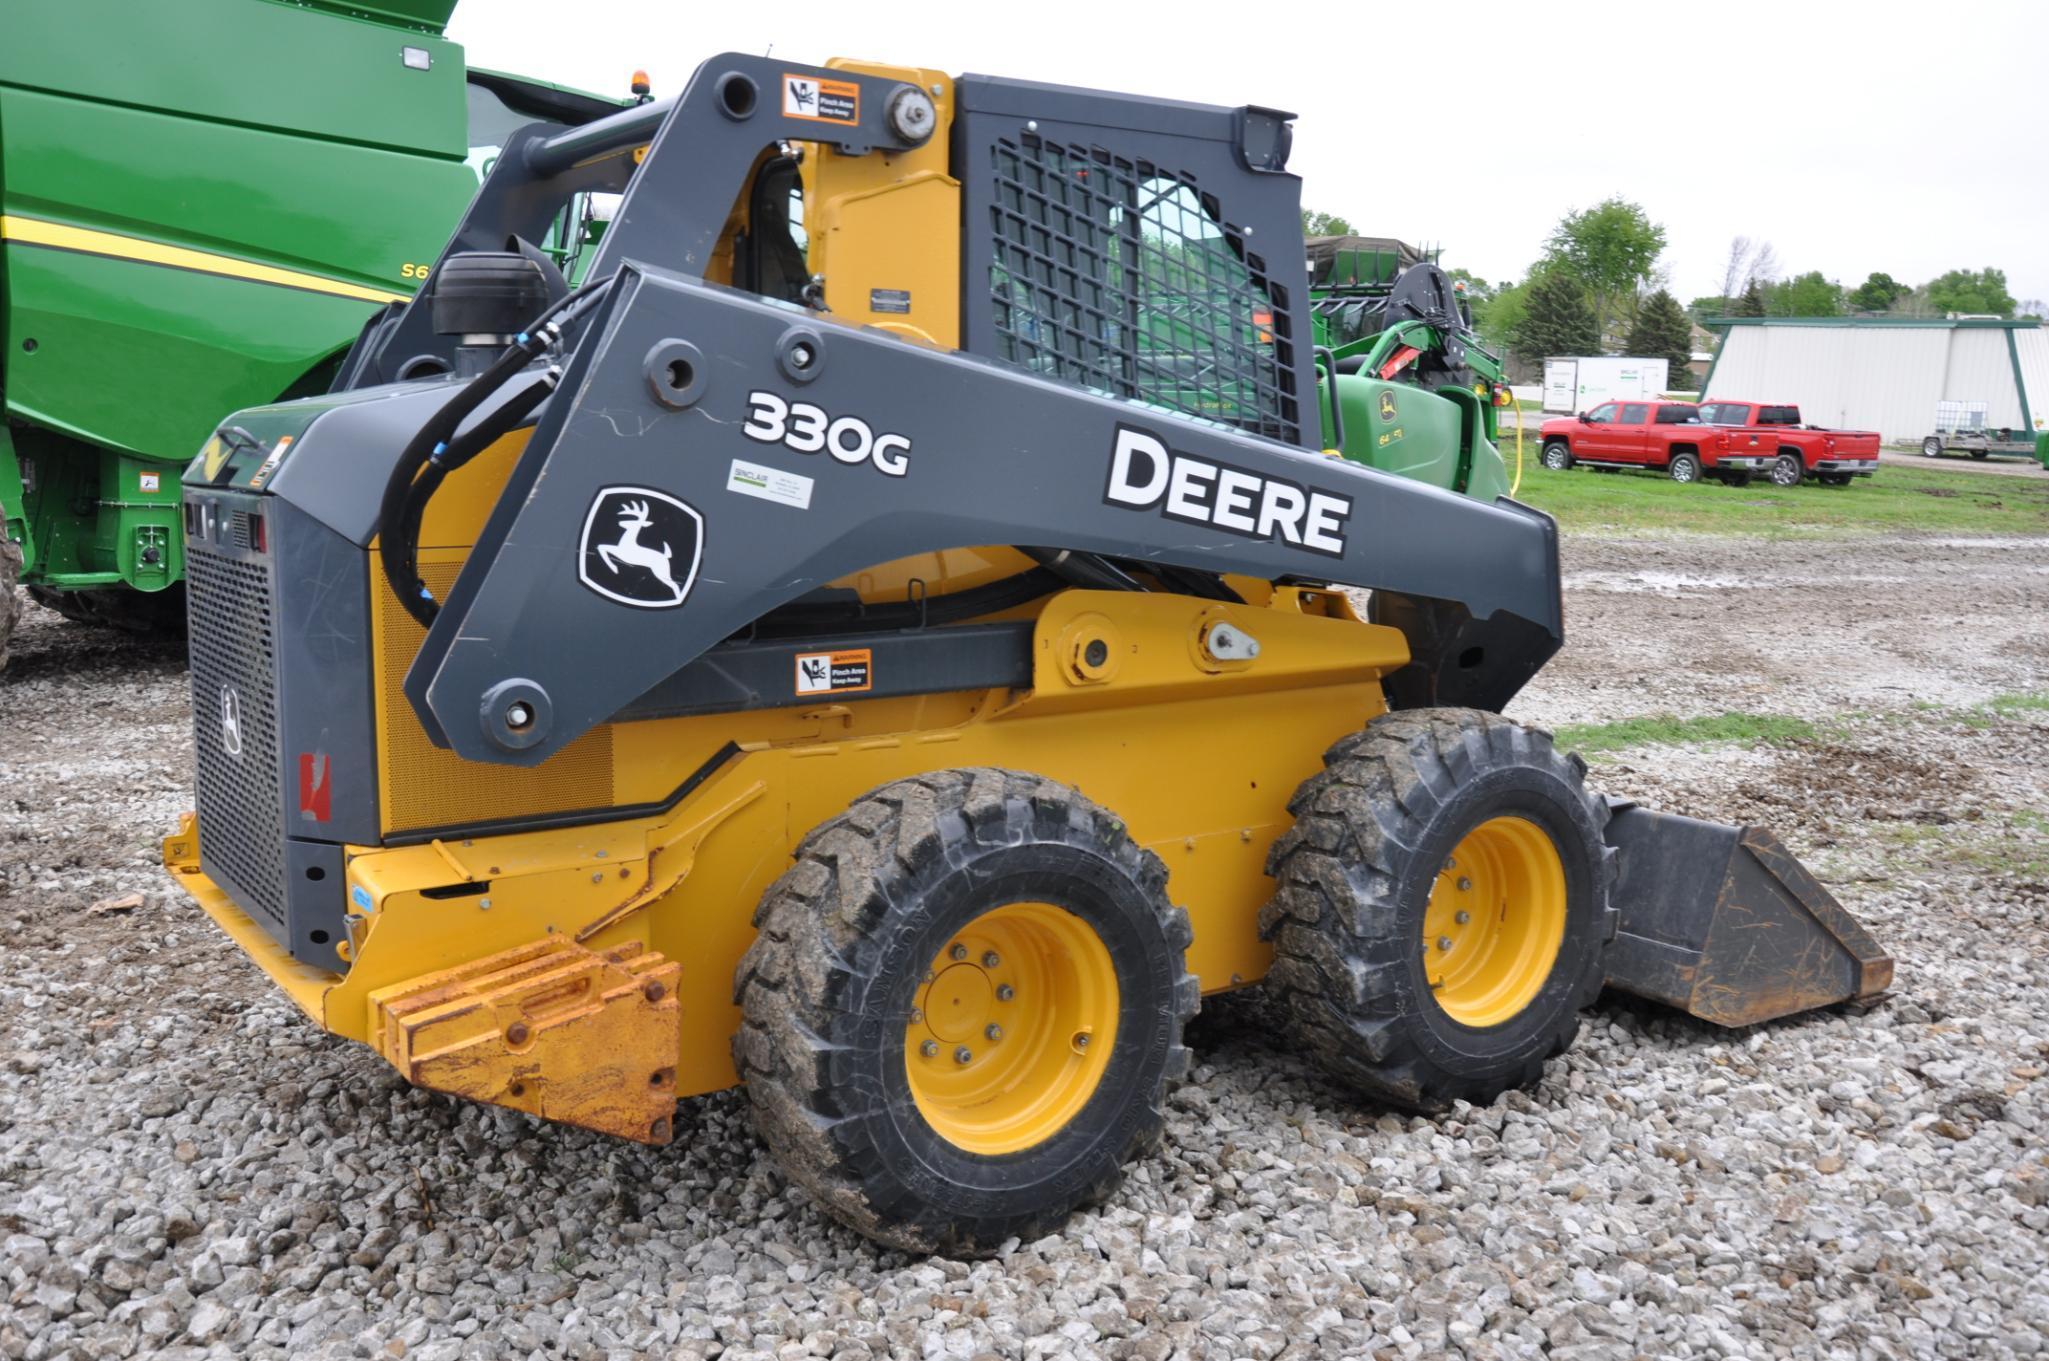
[1887, 375]
[1579, 383]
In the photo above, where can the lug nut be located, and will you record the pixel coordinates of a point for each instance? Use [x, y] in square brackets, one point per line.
[930, 1049]
[1450, 862]
[959, 952]
[1081, 1039]
[993, 1031]
[1004, 992]
[1444, 942]
[963, 1055]
[990, 959]
[917, 1015]
[1463, 917]
[1465, 885]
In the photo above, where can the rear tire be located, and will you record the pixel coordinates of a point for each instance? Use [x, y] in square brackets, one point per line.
[1684, 468]
[1422, 806]
[1931, 447]
[1788, 471]
[899, 1099]
[1557, 456]
[156, 614]
[10, 597]
[1980, 453]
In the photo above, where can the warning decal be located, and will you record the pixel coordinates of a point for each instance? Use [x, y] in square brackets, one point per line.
[835, 673]
[827, 101]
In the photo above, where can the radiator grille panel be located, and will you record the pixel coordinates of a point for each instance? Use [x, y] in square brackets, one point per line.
[1122, 276]
[234, 704]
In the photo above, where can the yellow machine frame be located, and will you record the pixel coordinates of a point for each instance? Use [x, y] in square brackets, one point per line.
[554, 970]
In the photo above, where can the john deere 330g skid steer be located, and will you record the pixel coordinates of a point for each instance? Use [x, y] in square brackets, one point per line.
[884, 641]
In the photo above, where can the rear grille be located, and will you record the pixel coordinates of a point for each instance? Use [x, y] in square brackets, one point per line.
[234, 699]
[1124, 277]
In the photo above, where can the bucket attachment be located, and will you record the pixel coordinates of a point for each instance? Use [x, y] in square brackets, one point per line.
[1724, 924]
[550, 1028]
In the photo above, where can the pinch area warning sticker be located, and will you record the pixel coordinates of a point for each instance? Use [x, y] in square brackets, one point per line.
[835, 673]
[827, 101]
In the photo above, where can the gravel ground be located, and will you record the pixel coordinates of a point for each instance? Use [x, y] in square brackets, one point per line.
[2008, 464]
[189, 1168]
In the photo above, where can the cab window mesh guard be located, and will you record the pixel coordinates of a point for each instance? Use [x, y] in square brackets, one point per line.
[1120, 276]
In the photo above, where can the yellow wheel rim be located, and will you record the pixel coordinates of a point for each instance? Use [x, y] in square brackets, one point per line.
[1495, 921]
[1012, 1028]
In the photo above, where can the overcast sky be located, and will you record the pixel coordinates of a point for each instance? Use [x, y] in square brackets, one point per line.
[1908, 138]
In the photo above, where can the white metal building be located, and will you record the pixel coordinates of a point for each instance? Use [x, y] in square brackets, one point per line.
[1885, 375]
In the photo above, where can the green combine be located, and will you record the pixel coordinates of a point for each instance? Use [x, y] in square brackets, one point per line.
[200, 205]
[1415, 392]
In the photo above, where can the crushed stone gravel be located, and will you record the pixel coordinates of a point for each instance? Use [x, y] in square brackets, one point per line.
[189, 1169]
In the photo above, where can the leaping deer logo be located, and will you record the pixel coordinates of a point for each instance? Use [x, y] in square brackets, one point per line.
[634, 517]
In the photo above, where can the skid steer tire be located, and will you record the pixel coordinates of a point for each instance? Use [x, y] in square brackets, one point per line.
[10, 598]
[1368, 885]
[937, 921]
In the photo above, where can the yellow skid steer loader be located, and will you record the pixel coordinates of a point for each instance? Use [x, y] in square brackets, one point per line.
[885, 640]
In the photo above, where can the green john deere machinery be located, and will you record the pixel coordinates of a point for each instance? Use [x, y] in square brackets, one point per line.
[1391, 327]
[200, 205]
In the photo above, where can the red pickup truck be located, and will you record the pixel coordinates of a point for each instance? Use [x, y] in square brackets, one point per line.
[1831, 457]
[1666, 435]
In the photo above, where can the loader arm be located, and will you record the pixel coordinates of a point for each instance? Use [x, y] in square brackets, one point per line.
[912, 450]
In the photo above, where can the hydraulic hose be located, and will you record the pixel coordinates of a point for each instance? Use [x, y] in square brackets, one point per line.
[452, 455]
[398, 521]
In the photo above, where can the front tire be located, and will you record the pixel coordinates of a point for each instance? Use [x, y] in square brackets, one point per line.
[1787, 470]
[1931, 447]
[1442, 912]
[964, 1009]
[1684, 468]
[1557, 456]
[10, 598]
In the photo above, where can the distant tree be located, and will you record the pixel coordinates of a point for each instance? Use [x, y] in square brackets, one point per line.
[1324, 224]
[1713, 305]
[1877, 293]
[1751, 301]
[1965, 290]
[1805, 295]
[1503, 315]
[1557, 319]
[1662, 331]
[1610, 250]
[1478, 290]
[2031, 309]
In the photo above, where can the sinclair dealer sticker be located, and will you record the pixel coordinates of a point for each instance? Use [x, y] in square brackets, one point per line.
[835, 673]
[825, 101]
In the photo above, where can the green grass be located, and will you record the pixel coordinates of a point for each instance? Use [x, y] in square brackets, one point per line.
[1894, 500]
[1990, 850]
[1593, 738]
[2031, 702]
